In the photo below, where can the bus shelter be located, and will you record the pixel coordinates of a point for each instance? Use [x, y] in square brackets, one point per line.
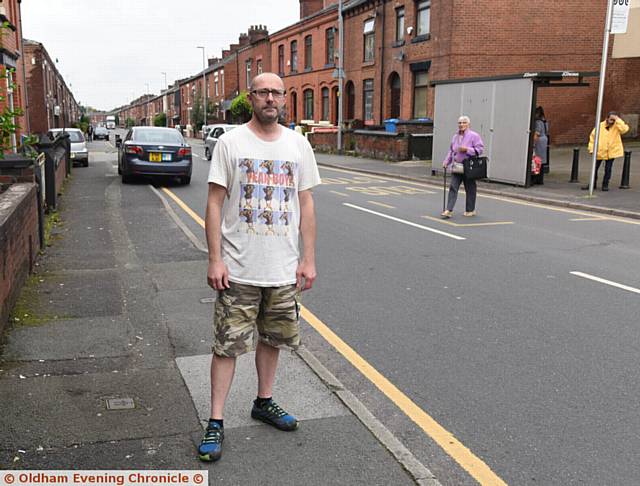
[502, 111]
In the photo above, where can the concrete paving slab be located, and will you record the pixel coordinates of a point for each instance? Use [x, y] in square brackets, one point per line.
[90, 337]
[76, 294]
[297, 389]
[169, 452]
[336, 451]
[60, 411]
[180, 275]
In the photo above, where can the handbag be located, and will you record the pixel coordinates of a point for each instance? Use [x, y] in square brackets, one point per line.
[457, 168]
[475, 167]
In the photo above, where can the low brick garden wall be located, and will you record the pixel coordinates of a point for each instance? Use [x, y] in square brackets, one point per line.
[19, 243]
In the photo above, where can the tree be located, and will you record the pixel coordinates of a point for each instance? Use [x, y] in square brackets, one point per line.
[129, 122]
[197, 114]
[160, 120]
[117, 120]
[241, 109]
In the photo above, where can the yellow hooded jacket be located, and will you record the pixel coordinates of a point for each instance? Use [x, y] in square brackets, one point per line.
[610, 141]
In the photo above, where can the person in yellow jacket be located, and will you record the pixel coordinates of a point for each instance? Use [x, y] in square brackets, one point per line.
[609, 146]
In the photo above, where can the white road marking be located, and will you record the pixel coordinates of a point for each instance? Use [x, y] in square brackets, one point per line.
[196, 155]
[409, 223]
[606, 282]
[340, 193]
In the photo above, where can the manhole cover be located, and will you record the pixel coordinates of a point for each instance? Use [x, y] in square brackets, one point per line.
[120, 403]
[208, 300]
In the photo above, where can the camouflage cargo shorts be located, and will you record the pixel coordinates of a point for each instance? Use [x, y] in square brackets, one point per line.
[242, 309]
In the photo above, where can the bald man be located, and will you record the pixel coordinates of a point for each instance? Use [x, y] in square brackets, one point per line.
[257, 274]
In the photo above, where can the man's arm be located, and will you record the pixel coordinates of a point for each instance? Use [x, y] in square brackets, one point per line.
[307, 267]
[217, 272]
[622, 126]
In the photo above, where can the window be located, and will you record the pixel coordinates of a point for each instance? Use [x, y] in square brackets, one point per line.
[294, 57]
[420, 83]
[248, 69]
[423, 16]
[281, 60]
[259, 66]
[216, 86]
[330, 37]
[222, 81]
[308, 53]
[369, 39]
[325, 103]
[399, 24]
[308, 104]
[367, 99]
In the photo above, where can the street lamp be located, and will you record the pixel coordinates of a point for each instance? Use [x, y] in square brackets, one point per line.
[165, 101]
[204, 84]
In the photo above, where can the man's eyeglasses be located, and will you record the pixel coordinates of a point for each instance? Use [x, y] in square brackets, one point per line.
[263, 94]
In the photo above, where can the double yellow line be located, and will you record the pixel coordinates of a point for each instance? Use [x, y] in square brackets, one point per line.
[445, 439]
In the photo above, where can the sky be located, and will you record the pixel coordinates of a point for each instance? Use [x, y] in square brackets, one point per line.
[108, 50]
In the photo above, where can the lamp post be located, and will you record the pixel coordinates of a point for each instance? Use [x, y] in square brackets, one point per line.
[340, 74]
[204, 85]
[165, 101]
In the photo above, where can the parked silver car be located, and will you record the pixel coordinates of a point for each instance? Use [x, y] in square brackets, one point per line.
[79, 151]
[214, 133]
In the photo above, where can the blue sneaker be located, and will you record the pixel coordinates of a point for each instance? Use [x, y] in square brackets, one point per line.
[210, 449]
[271, 413]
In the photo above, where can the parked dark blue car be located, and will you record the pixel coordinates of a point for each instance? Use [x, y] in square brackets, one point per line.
[154, 151]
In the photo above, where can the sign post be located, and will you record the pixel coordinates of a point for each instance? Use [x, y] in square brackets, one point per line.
[603, 72]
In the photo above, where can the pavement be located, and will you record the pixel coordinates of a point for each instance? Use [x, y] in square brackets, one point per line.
[106, 363]
[556, 190]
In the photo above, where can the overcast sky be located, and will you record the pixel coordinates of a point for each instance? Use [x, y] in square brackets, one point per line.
[108, 49]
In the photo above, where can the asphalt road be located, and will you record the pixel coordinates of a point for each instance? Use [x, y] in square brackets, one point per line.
[512, 330]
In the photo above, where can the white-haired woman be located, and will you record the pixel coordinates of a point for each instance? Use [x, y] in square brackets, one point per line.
[465, 143]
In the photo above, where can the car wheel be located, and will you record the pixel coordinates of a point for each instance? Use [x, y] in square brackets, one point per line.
[119, 170]
[207, 153]
[86, 163]
[126, 179]
[186, 180]
[107, 138]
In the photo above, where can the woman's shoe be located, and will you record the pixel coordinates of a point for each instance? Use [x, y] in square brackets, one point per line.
[446, 214]
[469, 213]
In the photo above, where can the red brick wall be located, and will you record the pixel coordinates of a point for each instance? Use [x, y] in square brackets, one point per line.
[378, 146]
[260, 51]
[11, 41]
[18, 243]
[320, 75]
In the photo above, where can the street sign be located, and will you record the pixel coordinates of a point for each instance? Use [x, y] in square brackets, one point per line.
[620, 16]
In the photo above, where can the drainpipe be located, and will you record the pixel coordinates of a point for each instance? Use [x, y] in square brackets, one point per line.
[340, 74]
[24, 72]
[382, 67]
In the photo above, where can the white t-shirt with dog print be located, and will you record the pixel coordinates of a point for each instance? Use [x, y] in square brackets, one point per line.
[261, 215]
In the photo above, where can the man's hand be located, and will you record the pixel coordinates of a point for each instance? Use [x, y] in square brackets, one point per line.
[218, 276]
[445, 164]
[462, 149]
[305, 274]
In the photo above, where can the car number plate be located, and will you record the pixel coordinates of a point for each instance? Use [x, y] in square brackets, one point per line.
[155, 157]
[166, 157]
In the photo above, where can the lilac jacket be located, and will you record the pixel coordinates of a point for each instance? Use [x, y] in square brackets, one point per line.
[471, 140]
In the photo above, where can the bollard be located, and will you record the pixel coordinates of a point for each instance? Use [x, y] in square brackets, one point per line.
[574, 165]
[626, 169]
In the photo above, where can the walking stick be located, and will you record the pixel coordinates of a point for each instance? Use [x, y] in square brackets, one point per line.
[444, 191]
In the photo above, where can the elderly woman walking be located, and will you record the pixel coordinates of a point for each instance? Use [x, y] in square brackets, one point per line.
[465, 144]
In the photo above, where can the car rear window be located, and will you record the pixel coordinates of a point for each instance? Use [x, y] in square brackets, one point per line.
[75, 137]
[158, 136]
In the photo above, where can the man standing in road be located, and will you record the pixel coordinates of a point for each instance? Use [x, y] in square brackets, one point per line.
[254, 260]
[609, 147]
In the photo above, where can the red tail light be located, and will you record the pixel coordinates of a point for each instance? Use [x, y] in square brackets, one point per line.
[184, 151]
[134, 149]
